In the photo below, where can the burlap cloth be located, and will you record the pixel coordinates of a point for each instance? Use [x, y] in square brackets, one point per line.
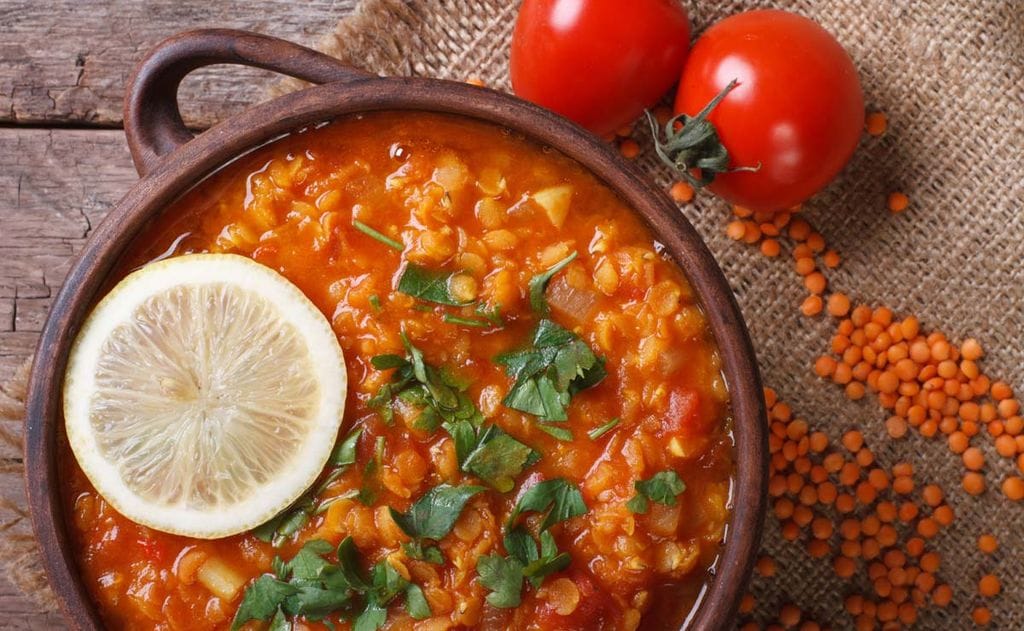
[950, 77]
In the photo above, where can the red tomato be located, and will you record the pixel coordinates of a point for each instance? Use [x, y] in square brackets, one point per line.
[598, 62]
[797, 110]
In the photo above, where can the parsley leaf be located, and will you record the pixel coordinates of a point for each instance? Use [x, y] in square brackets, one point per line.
[416, 603]
[262, 599]
[371, 483]
[433, 515]
[503, 576]
[557, 497]
[521, 546]
[546, 375]
[429, 285]
[379, 236]
[430, 554]
[539, 283]
[497, 458]
[279, 622]
[440, 396]
[372, 618]
[549, 561]
[662, 487]
[345, 452]
[312, 587]
[559, 433]
[282, 526]
[601, 430]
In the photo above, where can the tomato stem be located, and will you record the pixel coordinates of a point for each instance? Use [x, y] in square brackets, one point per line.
[692, 143]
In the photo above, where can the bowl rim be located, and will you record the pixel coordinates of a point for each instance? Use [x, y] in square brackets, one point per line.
[240, 134]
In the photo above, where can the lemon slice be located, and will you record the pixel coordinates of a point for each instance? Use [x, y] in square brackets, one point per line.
[204, 394]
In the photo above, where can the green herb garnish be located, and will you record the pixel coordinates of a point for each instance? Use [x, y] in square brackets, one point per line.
[383, 238]
[313, 587]
[539, 283]
[454, 319]
[504, 576]
[429, 285]
[282, 526]
[375, 303]
[559, 433]
[662, 487]
[371, 484]
[557, 497]
[433, 515]
[493, 456]
[430, 554]
[600, 431]
[488, 317]
[440, 397]
[546, 375]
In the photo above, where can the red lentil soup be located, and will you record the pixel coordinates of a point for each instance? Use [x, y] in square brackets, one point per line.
[343, 211]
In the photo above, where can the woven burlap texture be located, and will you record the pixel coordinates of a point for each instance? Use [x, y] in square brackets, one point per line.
[949, 75]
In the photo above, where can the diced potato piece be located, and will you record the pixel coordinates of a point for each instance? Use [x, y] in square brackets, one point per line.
[220, 578]
[555, 202]
[687, 447]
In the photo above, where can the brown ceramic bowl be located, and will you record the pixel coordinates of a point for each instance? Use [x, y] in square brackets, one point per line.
[171, 161]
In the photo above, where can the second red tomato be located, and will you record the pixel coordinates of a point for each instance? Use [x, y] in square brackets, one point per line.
[796, 112]
[598, 62]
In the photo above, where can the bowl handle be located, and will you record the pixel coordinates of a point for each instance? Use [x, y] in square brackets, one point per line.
[152, 121]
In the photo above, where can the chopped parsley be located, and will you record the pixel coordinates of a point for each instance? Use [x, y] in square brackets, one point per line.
[313, 587]
[557, 497]
[504, 576]
[601, 430]
[483, 451]
[433, 515]
[559, 433]
[662, 487]
[282, 526]
[379, 236]
[440, 396]
[428, 285]
[375, 303]
[454, 319]
[539, 284]
[493, 456]
[371, 483]
[546, 375]
[431, 518]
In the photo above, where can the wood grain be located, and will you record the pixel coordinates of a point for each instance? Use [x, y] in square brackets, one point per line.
[55, 185]
[66, 61]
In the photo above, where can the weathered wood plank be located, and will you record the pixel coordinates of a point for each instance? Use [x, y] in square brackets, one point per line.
[68, 61]
[55, 185]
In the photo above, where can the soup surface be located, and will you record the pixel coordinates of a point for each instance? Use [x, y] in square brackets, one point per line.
[381, 220]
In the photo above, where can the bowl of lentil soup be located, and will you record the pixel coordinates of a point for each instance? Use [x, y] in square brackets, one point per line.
[554, 416]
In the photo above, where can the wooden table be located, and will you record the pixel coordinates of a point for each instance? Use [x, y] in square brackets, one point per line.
[63, 158]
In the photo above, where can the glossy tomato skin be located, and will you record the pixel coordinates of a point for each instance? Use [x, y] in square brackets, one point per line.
[797, 111]
[598, 62]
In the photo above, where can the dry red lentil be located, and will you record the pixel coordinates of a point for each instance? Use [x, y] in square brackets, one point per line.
[839, 504]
